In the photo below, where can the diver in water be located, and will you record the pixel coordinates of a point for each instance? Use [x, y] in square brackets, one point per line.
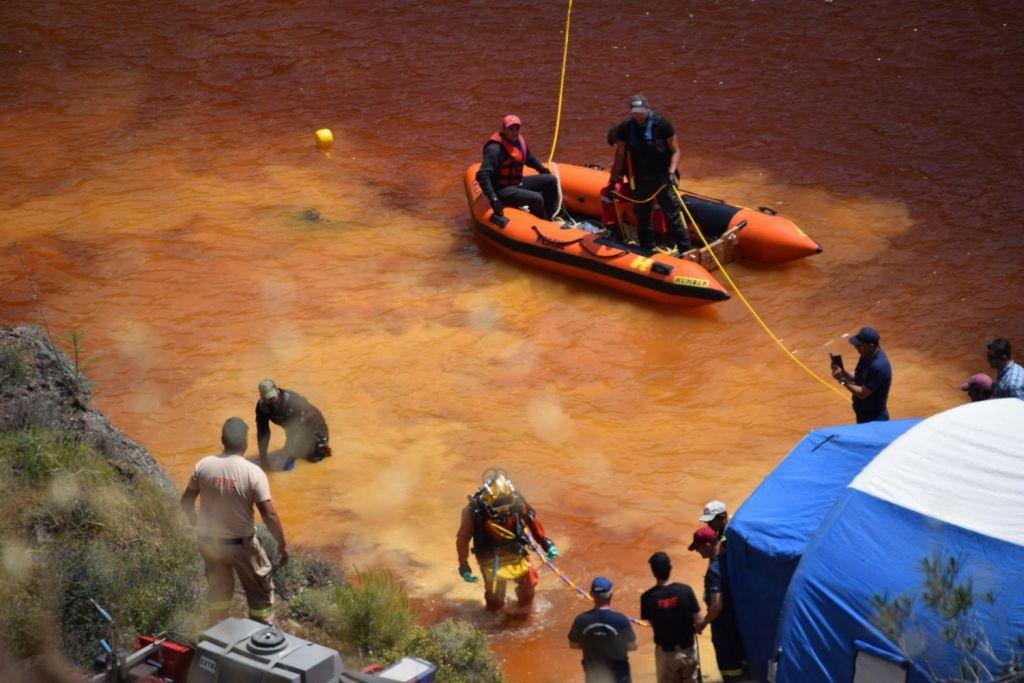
[500, 521]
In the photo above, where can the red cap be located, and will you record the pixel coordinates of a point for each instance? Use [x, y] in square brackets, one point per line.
[979, 381]
[702, 537]
[511, 120]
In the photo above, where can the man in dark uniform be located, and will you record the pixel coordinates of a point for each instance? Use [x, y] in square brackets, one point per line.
[647, 149]
[605, 636]
[305, 430]
[498, 520]
[871, 379]
[674, 615]
[725, 629]
[501, 173]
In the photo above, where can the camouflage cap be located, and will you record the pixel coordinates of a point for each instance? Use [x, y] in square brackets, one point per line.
[268, 389]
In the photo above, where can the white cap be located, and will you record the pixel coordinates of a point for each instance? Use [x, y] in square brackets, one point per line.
[712, 510]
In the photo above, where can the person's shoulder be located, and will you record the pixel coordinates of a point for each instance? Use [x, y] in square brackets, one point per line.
[665, 124]
[620, 130]
[206, 462]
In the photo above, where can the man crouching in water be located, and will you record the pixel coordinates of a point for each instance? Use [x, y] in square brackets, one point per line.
[498, 519]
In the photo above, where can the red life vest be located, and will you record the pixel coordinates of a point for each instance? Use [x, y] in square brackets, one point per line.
[510, 172]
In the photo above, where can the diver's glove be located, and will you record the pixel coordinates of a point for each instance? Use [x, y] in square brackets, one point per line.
[552, 553]
[466, 573]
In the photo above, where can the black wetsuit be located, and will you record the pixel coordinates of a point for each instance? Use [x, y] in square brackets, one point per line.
[304, 426]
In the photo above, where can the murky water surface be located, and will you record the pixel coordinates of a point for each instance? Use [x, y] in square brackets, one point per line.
[156, 159]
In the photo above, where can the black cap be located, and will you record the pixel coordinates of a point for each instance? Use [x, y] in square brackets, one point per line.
[867, 335]
[659, 559]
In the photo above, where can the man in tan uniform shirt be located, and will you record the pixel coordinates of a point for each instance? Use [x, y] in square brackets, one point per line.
[228, 486]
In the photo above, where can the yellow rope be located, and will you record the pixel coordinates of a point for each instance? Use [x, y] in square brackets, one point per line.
[750, 308]
[561, 83]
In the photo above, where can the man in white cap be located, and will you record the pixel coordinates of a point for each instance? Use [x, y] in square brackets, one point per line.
[305, 429]
[716, 516]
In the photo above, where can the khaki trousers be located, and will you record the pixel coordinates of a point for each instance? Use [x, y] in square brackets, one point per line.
[676, 666]
[250, 562]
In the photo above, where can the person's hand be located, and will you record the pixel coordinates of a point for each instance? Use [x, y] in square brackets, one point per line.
[283, 555]
[673, 180]
[543, 170]
[496, 206]
[466, 573]
[552, 553]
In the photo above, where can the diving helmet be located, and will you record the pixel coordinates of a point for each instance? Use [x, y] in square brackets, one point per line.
[497, 493]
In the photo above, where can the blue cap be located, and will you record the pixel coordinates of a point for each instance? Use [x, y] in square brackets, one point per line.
[867, 335]
[600, 586]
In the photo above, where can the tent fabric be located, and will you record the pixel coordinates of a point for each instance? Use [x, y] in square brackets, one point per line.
[951, 487]
[769, 533]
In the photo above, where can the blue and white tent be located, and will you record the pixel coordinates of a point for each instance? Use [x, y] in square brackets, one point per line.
[950, 490]
[769, 533]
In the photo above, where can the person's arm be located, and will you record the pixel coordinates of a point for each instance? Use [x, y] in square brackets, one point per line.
[485, 175]
[630, 636]
[860, 391]
[533, 162]
[619, 163]
[463, 537]
[537, 530]
[575, 635]
[273, 522]
[188, 502]
[714, 609]
[262, 436]
[673, 164]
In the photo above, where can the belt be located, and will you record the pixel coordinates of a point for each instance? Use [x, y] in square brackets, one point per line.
[224, 541]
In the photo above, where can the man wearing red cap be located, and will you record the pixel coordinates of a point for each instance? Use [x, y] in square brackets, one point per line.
[501, 174]
[978, 387]
[725, 630]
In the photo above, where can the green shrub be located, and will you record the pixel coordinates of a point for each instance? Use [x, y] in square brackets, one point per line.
[458, 649]
[14, 367]
[375, 614]
[304, 569]
[318, 607]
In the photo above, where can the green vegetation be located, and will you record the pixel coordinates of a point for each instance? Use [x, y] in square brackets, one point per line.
[14, 366]
[953, 602]
[375, 617]
[73, 529]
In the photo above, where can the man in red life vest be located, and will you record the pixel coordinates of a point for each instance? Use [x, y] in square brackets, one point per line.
[501, 173]
[499, 522]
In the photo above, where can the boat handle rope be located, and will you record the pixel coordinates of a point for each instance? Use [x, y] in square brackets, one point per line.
[557, 244]
[580, 592]
[587, 249]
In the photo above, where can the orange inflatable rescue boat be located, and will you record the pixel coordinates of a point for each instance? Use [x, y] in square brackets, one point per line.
[584, 250]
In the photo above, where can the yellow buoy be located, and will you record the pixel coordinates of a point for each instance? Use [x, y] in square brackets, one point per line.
[324, 139]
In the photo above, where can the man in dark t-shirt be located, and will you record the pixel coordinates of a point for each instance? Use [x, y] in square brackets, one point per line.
[605, 636]
[674, 614]
[646, 148]
[725, 629]
[870, 382]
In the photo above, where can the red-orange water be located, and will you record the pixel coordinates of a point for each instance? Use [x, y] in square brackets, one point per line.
[155, 159]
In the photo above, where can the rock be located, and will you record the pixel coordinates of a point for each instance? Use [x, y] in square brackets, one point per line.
[40, 387]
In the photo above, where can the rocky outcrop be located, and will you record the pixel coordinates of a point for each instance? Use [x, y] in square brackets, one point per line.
[40, 386]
